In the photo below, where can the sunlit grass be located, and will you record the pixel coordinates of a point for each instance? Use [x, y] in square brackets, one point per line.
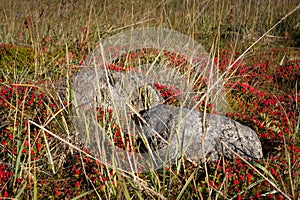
[43, 44]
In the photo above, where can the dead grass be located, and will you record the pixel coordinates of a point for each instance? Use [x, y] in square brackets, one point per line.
[61, 33]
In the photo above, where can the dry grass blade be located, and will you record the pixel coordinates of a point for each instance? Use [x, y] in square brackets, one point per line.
[44, 44]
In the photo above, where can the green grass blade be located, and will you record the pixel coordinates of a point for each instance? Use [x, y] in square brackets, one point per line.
[186, 184]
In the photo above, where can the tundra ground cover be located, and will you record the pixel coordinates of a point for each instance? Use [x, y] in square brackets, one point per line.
[262, 91]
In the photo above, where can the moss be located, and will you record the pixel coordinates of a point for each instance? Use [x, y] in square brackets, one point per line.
[16, 61]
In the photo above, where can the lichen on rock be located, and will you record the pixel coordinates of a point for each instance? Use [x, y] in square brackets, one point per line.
[189, 134]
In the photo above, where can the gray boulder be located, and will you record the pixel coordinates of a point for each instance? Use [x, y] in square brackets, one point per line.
[168, 132]
[172, 131]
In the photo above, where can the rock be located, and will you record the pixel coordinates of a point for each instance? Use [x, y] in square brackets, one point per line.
[169, 131]
[115, 90]
[183, 129]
